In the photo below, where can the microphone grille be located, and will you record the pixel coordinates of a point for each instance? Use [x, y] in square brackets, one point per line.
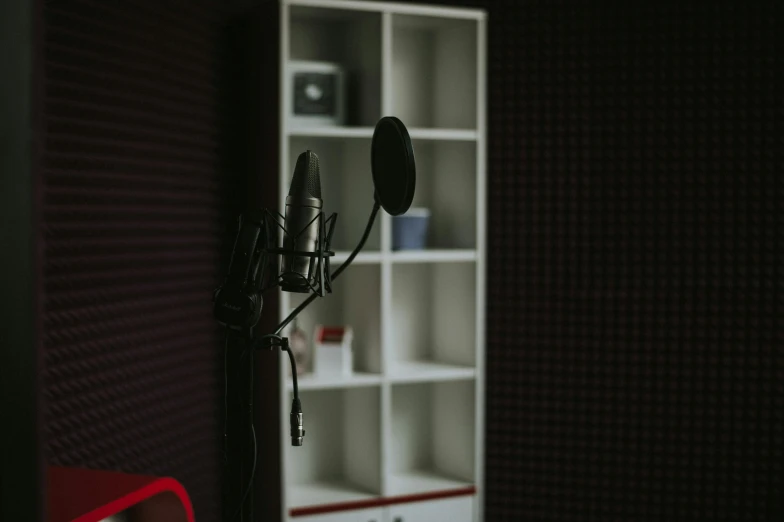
[306, 175]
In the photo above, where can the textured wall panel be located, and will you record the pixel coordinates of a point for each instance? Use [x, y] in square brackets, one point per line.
[635, 362]
[133, 226]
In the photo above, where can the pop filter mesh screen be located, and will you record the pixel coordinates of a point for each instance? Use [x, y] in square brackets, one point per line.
[393, 167]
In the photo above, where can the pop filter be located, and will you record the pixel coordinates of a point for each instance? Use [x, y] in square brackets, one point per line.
[393, 165]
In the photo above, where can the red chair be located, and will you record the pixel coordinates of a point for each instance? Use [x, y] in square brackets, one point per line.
[85, 495]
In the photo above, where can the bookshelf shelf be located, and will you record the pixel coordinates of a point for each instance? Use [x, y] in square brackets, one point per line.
[425, 371]
[443, 134]
[409, 420]
[317, 382]
[367, 132]
[434, 256]
[432, 446]
[363, 258]
[331, 132]
[339, 462]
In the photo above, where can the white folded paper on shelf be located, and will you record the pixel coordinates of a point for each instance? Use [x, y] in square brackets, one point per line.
[333, 351]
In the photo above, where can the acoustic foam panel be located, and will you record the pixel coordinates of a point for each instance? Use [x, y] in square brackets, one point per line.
[133, 226]
[635, 364]
[635, 368]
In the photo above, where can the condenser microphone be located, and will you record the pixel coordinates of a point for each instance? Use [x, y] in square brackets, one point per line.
[302, 234]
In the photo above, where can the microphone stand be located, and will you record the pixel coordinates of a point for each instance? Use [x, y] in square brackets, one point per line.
[275, 340]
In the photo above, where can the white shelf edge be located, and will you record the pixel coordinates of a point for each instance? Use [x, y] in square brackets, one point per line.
[392, 7]
[317, 382]
[434, 256]
[330, 132]
[407, 372]
[422, 481]
[431, 134]
[363, 258]
[466, 375]
[443, 134]
[407, 256]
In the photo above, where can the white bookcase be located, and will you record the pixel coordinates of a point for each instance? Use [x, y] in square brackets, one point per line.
[401, 440]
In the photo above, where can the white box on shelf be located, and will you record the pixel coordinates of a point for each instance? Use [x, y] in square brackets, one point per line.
[318, 94]
[333, 352]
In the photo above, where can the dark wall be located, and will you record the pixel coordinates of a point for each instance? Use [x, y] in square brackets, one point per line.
[134, 222]
[250, 151]
[22, 470]
[635, 364]
[634, 361]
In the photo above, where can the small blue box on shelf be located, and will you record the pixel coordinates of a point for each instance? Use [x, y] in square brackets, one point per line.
[409, 231]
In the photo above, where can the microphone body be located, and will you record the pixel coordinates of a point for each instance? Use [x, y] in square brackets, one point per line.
[302, 225]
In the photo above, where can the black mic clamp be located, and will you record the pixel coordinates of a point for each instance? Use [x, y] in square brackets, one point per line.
[237, 302]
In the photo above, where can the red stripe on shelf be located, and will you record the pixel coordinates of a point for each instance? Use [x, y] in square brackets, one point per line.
[380, 502]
